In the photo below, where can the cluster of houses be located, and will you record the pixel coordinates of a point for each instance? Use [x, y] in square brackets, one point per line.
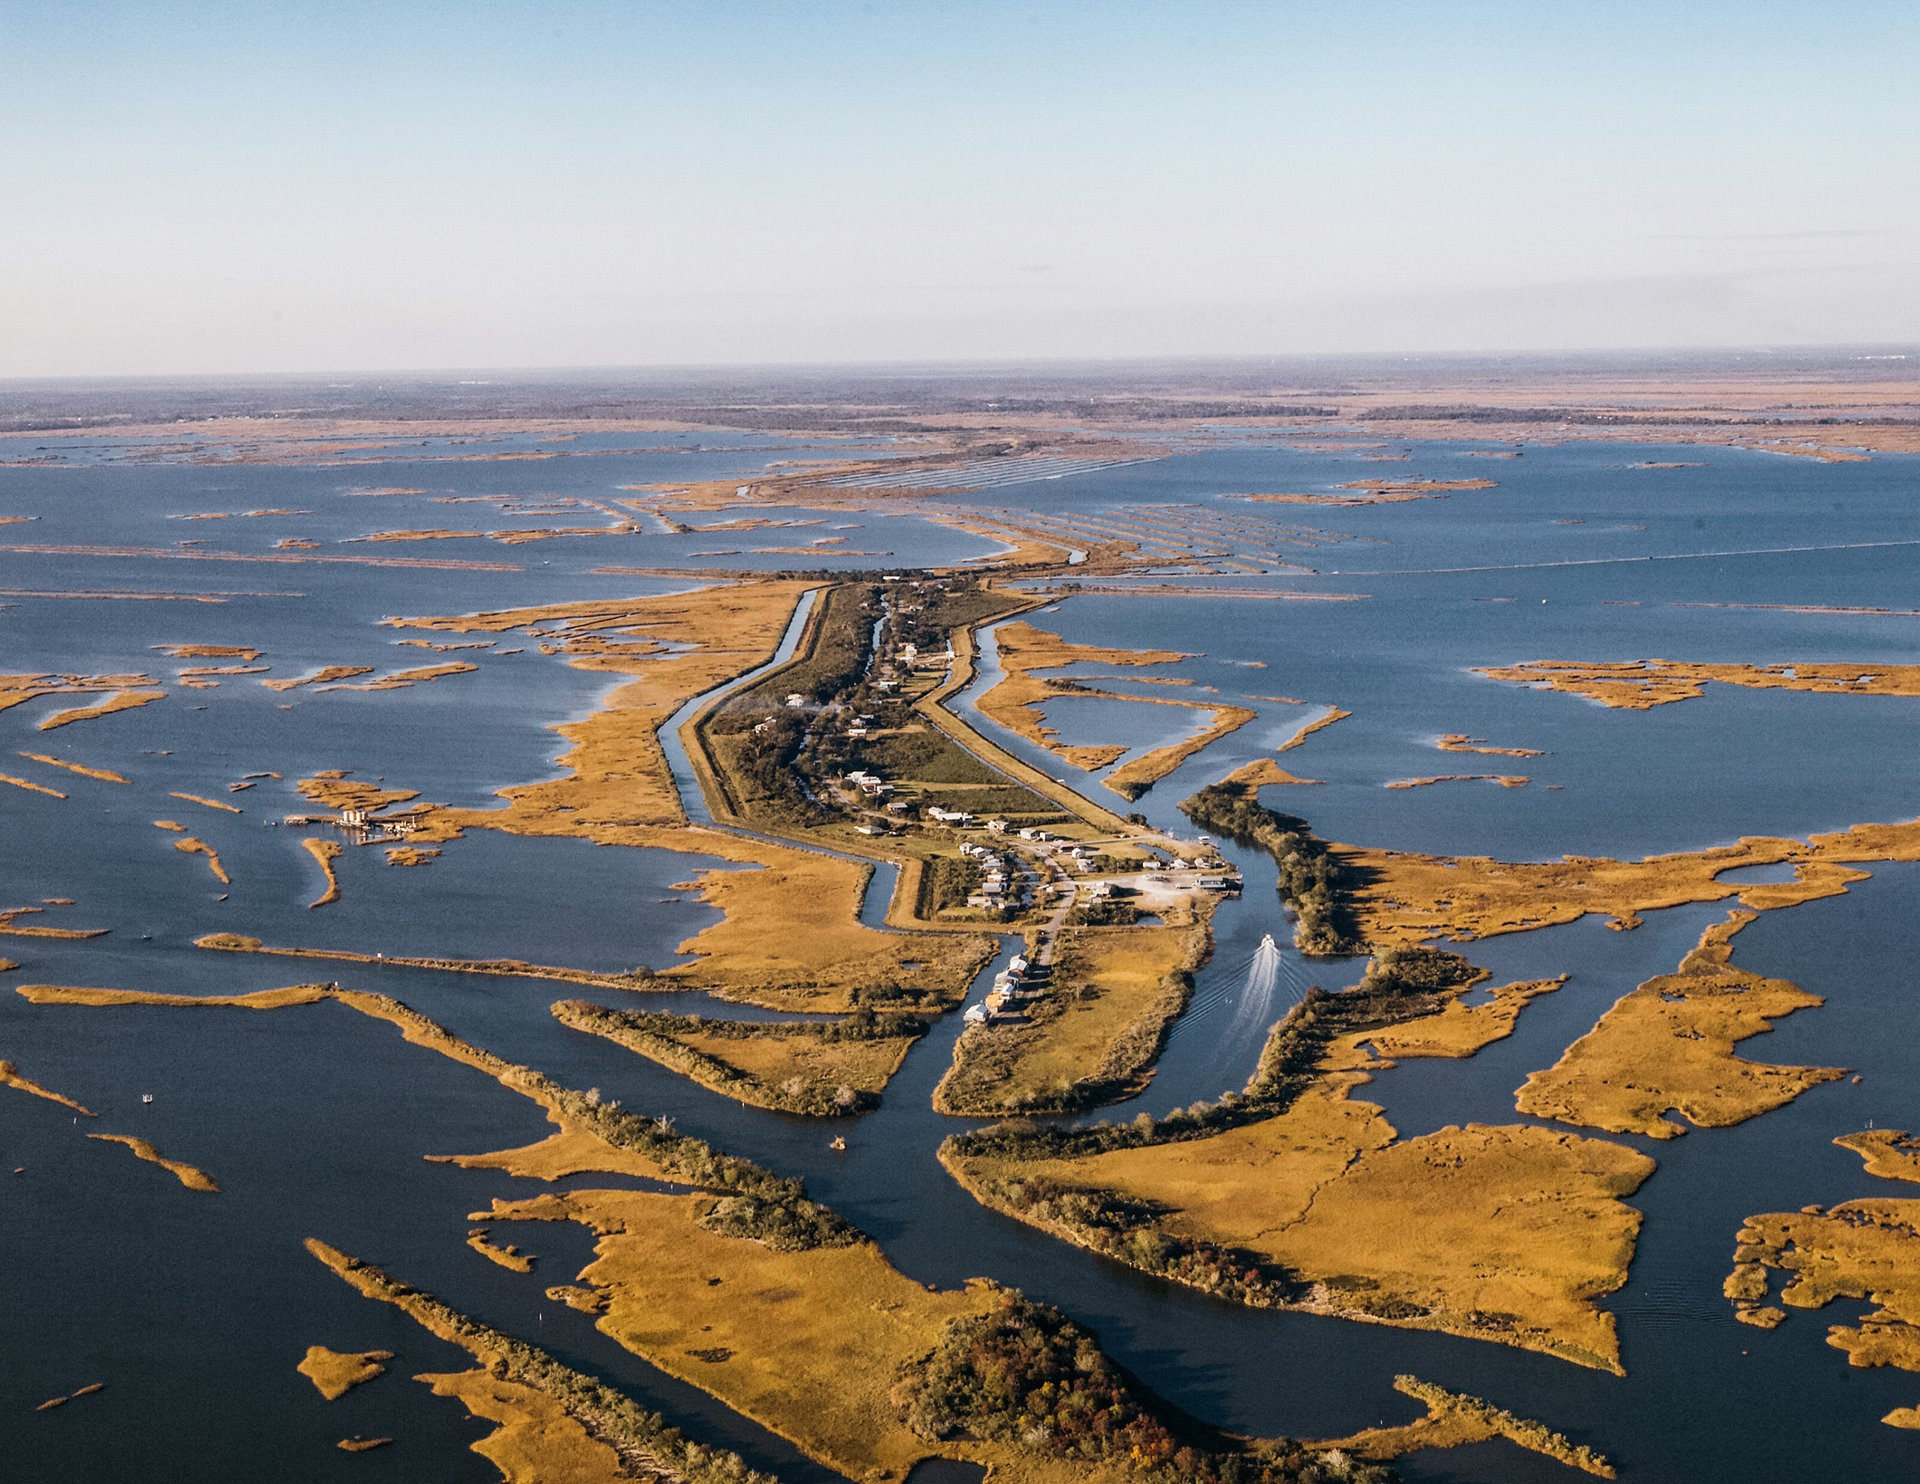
[1032, 836]
[1014, 987]
[906, 660]
[1000, 885]
[910, 658]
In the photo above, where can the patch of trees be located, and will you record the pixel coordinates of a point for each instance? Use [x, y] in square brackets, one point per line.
[753, 1202]
[758, 766]
[928, 756]
[783, 1225]
[925, 614]
[834, 659]
[1127, 1230]
[1104, 912]
[947, 882]
[1406, 969]
[1312, 882]
[1024, 1373]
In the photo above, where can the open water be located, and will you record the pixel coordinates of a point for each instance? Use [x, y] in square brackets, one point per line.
[194, 1309]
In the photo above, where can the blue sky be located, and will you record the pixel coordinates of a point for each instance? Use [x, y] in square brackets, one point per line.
[244, 187]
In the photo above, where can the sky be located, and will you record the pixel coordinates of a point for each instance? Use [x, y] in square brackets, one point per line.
[198, 187]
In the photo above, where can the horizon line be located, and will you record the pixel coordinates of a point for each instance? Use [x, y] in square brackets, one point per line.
[1890, 350]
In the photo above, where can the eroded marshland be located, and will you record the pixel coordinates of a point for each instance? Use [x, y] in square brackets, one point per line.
[883, 784]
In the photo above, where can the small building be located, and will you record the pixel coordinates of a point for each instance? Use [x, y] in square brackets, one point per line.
[795, 699]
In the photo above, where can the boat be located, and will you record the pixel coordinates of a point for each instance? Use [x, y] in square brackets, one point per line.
[146, 1097]
[839, 1142]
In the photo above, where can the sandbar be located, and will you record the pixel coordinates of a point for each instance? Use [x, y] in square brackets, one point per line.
[336, 1372]
[1264, 773]
[10, 925]
[401, 679]
[38, 788]
[1505, 780]
[325, 853]
[325, 675]
[1461, 742]
[1299, 738]
[1453, 1421]
[11, 1076]
[206, 803]
[104, 775]
[505, 1255]
[188, 845]
[186, 1174]
[122, 700]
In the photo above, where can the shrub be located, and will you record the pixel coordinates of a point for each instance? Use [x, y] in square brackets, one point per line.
[1024, 1373]
[1311, 881]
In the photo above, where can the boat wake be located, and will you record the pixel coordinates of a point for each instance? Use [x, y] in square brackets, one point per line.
[1267, 984]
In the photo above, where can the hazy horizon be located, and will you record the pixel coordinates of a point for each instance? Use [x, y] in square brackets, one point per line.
[1894, 357]
[210, 189]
